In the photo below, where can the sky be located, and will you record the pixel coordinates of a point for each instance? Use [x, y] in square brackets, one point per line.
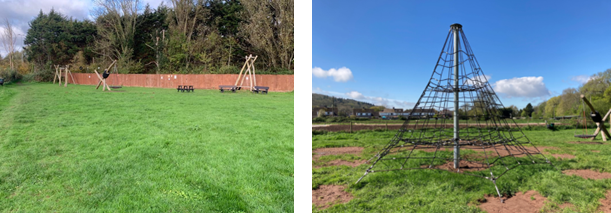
[385, 53]
[21, 12]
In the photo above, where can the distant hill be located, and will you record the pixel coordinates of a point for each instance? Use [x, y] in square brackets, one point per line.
[319, 100]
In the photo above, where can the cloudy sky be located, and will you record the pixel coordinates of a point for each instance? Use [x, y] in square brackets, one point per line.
[385, 53]
[21, 12]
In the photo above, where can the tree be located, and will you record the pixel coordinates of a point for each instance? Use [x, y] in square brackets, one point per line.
[9, 38]
[55, 39]
[116, 25]
[321, 113]
[524, 114]
[550, 107]
[529, 110]
[269, 29]
[378, 108]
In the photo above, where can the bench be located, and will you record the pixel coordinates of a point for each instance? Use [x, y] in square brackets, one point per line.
[183, 88]
[261, 89]
[230, 87]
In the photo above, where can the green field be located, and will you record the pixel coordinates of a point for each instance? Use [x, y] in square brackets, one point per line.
[78, 149]
[442, 191]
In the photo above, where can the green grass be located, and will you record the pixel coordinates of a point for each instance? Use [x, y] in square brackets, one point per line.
[78, 149]
[442, 191]
[380, 121]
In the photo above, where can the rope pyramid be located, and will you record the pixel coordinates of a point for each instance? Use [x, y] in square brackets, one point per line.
[480, 139]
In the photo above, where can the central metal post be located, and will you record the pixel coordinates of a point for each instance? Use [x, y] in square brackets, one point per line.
[456, 29]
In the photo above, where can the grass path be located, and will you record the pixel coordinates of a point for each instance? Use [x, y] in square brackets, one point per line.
[155, 150]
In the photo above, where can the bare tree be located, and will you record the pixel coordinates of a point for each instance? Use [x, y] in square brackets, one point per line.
[183, 19]
[158, 48]
[270, 29]
[9, 38]
[116, 23]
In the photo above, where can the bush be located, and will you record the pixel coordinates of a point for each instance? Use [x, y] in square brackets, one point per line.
[9, 75]
[318, 119]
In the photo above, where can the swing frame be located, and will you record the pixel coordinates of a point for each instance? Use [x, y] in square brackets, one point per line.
[103, 80]
[599, 125]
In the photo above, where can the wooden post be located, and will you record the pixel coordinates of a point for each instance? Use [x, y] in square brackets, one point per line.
[66, 76]
[56, 73]
[60, 76]
[253, 70]
[240, 75]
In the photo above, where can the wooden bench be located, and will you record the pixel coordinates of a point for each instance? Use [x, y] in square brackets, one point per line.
[182, 88]
[230, 87]
[261, 89]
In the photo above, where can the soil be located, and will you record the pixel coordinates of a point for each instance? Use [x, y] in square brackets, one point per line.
[605, 203]
[343, 162]
[464, 166]
[564, 156]
[328, 195]
[499, 148]
[584, 142]
[597, 151]
[586, 173]
[521, 202]
[336, 151]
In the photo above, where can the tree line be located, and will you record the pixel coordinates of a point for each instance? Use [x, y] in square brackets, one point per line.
[186, 36]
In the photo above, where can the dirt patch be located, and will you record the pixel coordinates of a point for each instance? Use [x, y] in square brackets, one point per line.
[605, 203]
[343, 162]
[464, 166]
[502, 150]
[328, 195]
[336, 151]
[531, 201]
[586, 173]
[597, 151]
[564, 156]
[584, 142]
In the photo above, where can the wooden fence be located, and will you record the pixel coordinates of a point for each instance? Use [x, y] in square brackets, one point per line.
[277, 83]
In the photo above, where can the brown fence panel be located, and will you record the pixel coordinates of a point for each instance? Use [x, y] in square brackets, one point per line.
[278, 83]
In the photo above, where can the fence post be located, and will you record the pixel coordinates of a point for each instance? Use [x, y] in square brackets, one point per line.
[350, 126]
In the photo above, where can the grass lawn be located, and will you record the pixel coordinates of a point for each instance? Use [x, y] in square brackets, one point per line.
[78, 149]
[442, 191]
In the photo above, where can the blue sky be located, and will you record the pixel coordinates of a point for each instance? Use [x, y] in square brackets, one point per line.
[384, 53]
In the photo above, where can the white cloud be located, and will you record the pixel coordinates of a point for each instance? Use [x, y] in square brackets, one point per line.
[339, 75]
[526, 87]
[388, 103]
[478, 79]
[355, 95]
[581, 79]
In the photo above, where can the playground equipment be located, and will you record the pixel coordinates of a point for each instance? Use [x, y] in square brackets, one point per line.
[104, 76]
[595, 116]
[249, 76]
[58, 74]
[457, 84]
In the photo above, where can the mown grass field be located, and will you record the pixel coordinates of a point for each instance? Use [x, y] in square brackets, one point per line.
[78, 149]
[442, 191]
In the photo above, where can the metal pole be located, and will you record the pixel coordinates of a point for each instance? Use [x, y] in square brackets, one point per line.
[456, 28]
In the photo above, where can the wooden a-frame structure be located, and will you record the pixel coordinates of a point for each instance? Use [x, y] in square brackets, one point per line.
[599, 125]
[103, 80]
[58, 74]
[250, 71]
